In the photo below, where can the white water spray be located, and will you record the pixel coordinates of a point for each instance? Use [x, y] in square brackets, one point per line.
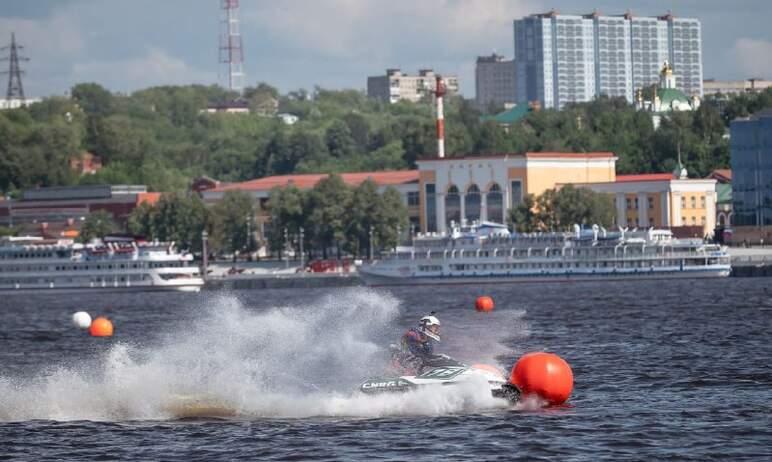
[287, 362]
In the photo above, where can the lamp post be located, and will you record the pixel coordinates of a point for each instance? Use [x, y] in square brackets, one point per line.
[249, 236]
[370, 233]
[286, 248]
[205, 254]
[302, 256]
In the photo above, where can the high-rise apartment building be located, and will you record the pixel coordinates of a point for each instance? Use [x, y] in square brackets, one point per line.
[561, 59]
[494, 82]
[396, 86]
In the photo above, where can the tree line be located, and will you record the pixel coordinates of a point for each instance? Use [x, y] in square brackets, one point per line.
[160, 137]
[333, 218]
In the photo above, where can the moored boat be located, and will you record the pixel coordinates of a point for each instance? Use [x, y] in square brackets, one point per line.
[488, 252]
[121, 264]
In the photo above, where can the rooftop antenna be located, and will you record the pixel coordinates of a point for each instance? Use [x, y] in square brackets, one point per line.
[231, 51]
[15, 88]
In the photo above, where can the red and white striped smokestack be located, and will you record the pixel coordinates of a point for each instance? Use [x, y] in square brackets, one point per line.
[439, 92]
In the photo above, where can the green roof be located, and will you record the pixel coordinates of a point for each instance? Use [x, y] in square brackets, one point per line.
[509, 116]
[668, 95]
[724, 193]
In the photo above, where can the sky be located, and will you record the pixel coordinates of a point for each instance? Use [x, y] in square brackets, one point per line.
[126, 45]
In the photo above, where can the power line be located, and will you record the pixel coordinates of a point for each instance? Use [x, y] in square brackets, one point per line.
[15, 88]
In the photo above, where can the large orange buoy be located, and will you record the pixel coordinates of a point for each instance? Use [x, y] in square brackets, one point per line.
[484, 303]
[544, 374]
[101, 327]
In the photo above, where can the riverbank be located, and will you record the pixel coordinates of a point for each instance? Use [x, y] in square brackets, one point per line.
[746, 262]
[751, 262]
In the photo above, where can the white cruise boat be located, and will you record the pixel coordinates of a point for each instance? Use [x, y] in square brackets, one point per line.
[487, 252]
[32, 264]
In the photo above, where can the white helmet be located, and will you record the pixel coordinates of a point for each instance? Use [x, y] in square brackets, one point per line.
[430, 326]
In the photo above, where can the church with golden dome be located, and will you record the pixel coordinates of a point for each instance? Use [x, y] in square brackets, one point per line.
[666, 97]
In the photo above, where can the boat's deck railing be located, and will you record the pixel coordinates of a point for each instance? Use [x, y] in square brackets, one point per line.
[619, 254]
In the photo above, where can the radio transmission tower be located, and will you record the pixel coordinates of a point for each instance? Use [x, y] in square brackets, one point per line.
[231, 51]
[15, 88]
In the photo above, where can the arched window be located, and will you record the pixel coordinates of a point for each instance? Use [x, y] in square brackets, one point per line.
[495, 203]
[452, 206]
[472, 203]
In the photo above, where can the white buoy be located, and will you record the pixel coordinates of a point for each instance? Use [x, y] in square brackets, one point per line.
[81, 319]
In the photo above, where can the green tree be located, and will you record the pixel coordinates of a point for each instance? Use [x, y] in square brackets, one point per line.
[329, 202]
[359, 128]
[491, 139]
[142, 220]
[389, 157]
[263, 99]
[278, 155]
[288, 210]
[338, 139]
[392, 218]
[93, 98]
[232, 217]
[122, 139]
[175, 218]
[523, 217]
[583, 207]
[303, 145]
[545, 210]
[363, 217]
[97, 225]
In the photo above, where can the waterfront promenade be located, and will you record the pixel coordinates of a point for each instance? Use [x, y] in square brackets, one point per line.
[746, 262]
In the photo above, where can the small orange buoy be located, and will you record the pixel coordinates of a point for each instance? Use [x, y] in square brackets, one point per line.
[544, 374]
[101, 327]
[484, 303]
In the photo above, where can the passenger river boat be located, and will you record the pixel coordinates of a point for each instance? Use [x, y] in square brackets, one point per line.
[32, 264]
[488, 252]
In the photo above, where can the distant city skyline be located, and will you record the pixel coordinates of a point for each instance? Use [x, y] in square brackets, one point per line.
[335, 44]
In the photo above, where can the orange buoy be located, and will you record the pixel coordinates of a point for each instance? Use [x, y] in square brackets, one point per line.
[484, 303]
[101, 327]
[544, 374]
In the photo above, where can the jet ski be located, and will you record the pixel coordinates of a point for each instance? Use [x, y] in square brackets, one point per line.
[443, 370]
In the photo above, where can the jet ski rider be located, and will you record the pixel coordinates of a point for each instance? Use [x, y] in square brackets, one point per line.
[417, 345]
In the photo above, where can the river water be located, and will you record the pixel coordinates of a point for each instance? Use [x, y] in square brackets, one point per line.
[677, 370]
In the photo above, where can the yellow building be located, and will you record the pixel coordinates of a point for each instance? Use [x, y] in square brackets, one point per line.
[485, 188]
[663, 201]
